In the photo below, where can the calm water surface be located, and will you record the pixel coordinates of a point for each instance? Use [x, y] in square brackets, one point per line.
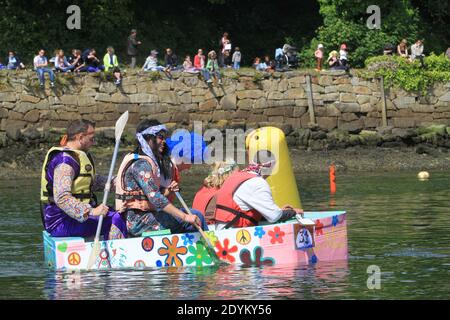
[395, 222]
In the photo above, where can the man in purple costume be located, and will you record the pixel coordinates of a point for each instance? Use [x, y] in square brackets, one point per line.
[67, 211]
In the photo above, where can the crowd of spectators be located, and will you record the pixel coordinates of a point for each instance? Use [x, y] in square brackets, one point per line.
[285, 58]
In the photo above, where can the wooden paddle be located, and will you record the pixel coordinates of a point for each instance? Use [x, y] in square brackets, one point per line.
[120, 125]
[209, 245]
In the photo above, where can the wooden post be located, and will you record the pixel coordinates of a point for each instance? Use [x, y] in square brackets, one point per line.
[383, 103]
[312, 116]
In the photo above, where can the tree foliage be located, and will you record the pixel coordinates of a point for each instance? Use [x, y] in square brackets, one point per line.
[258, 28]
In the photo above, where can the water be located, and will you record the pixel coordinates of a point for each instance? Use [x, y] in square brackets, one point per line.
[395, 222]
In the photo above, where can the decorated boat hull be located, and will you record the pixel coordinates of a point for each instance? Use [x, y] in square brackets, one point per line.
[271, 244]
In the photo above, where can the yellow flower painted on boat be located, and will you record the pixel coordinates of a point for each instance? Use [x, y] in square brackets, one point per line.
[212, 237]
[172, 252]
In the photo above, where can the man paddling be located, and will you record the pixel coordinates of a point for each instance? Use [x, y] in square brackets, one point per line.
[68, 182]
[139, 192]
[245, 198]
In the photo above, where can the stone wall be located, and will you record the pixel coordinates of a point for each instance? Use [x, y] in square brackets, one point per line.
[344, 105]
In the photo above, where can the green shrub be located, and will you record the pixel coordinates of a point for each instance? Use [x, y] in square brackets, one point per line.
[410, 76]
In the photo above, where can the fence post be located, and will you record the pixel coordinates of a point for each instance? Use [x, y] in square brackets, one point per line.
[383, 103]
[312, 116]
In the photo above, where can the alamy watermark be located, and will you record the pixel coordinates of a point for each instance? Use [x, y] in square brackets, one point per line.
[374, 21]
[374, 279]
[74, 20]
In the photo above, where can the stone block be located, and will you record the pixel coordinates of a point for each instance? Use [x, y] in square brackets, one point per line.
[208, 105]
[347, 97]
[32, 116]
[250, 94]
[295, 94]
[348, 107]
[8, 97]
[327, 123]
[228, 102]
[85, 101]
[167, 97]
[404, 122]
[353, 126]
[119, 97]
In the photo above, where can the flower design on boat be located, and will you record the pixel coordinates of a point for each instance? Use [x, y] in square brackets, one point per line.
[259, 232]
[200, 255]
[172, 252]
[212, 237]
[319, 227]
[224, 252]
[187, 239]
[247, 260]
[277, 235]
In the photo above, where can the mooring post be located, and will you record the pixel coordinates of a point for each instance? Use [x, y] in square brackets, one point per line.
[383, 103]
[312, 116]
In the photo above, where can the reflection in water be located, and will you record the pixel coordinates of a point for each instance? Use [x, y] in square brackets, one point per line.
[394, 222]
[224, 282]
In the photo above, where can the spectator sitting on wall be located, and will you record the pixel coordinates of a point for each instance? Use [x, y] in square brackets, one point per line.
[40, 63]
[417, 52]
[111, 63]
[269, 63]
[151, 63]
[227, 59]
[199, 60]
[170, 60]
[61, 63]
[212, 68]
[75, 60]
[187, 65]
[90, 61]
[388, 49]
[334, 62]
[13, 62]
[402, 49]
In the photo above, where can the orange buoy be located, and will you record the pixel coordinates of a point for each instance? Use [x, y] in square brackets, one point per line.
[332, 179]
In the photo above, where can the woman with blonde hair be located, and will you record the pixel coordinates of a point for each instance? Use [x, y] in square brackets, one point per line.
[205, 200]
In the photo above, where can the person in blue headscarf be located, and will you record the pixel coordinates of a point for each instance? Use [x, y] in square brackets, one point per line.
[145, 183]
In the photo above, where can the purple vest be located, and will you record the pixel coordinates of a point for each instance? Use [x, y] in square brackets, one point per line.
[53, 215]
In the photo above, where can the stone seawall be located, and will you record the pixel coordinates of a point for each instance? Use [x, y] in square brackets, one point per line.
[325, 110]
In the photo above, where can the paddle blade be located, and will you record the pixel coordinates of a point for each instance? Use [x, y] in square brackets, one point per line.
[95, 252]
[120, 125]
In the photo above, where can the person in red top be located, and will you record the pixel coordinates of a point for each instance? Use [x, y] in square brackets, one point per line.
[205, 198]
[199, 60]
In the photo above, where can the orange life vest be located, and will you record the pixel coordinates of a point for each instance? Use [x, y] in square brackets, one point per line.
[227, 210]
[134, 199]
[202, 199]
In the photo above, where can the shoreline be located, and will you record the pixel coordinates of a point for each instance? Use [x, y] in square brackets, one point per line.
[21, 162]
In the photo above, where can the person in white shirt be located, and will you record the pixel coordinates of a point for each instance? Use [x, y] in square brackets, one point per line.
[40, 65]
[417, 51]
[252, 199]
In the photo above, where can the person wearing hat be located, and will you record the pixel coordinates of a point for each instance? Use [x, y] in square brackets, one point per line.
[132, 47]
[319, 57]
[343, 55]
[139, 190]
[151, 63]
